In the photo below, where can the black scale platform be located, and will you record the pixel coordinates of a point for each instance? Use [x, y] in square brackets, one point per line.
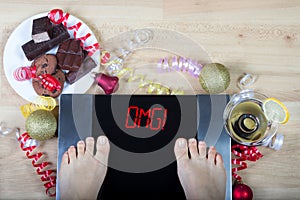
[142, 130]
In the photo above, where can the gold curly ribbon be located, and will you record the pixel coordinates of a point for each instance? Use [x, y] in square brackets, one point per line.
[41, 102]
[151, 86]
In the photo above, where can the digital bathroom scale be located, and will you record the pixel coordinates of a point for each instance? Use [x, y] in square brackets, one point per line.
[142, 130]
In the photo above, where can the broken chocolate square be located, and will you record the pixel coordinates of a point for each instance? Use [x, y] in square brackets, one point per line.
[87, 65]
[33, 50]
[41, 29]
[70, 55]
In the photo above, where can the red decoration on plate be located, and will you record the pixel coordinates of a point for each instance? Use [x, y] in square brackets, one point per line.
[25, 73]
[242, 192]
[27, 144]
[49, 82]
[109, 84]
[57, 16]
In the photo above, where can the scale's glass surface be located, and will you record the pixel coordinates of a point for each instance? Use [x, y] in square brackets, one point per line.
[142, 130]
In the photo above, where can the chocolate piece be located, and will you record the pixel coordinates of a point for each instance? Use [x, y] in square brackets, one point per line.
[40, 90]
[33, 50]
[41, 29]
[70, 55]
[87, 65]
[45, 64]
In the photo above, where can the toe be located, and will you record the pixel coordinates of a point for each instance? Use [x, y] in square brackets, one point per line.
[181, 149]
[219, 161]
[72, 154]
[211, 155]
[102, 150]
[202, 149]
[80, 148]
[193, 148]
[89, 145]
[65, 159]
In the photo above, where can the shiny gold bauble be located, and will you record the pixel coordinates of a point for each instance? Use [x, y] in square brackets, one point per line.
[41, 125]
[214, 78]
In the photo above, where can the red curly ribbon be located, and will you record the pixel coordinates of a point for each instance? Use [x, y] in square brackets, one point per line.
[50, 180]
[25, 73]
[57, 16]
[244, 153]
[76, 27]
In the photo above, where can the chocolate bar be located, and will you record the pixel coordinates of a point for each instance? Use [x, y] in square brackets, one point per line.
[41, 29]
[33, 50]
[70, 55]
[87, 65]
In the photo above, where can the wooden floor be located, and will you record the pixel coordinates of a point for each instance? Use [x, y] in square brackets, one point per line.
[258, 37]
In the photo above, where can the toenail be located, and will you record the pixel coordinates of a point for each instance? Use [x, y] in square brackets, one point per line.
[80, 142]
[182, 143]
[192, 140]
[201, 143]
[102, 140]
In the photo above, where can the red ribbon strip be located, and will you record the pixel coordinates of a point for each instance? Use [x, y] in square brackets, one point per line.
[50, 180]
[244, 153]
[57, 16]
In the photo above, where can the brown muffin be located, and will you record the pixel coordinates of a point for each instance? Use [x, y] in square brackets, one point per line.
[40, 90]
[45, 64]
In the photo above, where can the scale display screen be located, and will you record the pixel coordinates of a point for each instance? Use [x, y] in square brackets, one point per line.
[142, 130]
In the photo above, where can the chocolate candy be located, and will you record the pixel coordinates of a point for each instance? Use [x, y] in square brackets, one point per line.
[70, 55]
[33, 50]
[41, 29]
[87, 65]
[42, 91]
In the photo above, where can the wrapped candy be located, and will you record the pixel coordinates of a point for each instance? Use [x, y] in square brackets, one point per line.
[47, 80]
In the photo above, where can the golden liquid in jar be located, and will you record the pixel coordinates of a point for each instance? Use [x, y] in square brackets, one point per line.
[247, 122]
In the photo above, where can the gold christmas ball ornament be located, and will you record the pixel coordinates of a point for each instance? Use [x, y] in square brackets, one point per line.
[41, 125]
[214, 78]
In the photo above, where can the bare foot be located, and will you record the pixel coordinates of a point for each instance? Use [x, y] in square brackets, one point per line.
[201, 177]
[81, 175]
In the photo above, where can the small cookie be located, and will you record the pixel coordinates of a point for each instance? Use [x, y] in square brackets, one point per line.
[45, 64]
[40, 90]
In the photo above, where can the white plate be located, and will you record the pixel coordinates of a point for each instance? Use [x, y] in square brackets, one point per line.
[14, 57]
